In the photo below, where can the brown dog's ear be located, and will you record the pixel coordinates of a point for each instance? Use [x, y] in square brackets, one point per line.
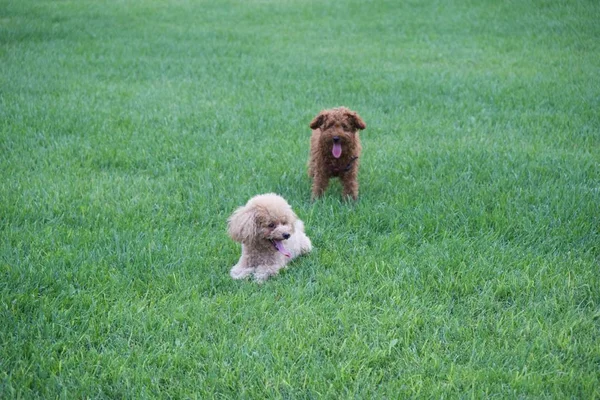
[241, 226]
[319, 120]
[356, 120]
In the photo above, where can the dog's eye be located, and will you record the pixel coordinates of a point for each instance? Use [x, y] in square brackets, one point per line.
[345, 127]
[271, 225]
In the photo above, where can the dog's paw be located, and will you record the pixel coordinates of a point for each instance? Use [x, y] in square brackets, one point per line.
[238, 272]
[260, 280]
[264, 272]
[261, 277]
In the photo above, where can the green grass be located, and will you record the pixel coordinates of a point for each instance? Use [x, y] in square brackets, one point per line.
[469, 267]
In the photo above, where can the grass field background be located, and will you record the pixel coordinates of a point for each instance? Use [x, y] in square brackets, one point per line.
[469, 267]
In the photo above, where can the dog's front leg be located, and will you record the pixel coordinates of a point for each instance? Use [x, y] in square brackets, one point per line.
[350, 184]
[350, 189]
[320, 183]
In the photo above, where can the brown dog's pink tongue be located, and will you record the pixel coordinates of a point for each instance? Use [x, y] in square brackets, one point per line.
[280, 248]
[337, 150]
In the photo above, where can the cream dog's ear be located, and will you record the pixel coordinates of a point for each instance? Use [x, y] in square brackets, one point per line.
[242, 224]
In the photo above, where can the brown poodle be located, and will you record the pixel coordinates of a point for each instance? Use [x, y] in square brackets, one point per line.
[334, 150]
[271, 236]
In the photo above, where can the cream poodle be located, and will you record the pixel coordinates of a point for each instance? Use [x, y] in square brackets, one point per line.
[271, 236]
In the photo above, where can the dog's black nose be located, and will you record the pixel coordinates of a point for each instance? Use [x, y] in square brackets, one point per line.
[336, 139]
[286, 235]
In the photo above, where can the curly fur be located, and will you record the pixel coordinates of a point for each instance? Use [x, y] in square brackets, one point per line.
[335, 127]
[271, 235]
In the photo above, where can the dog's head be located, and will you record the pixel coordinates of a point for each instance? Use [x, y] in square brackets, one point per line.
[339, 127]
[265, 218]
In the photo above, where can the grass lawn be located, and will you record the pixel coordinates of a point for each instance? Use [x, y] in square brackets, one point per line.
[469, 267]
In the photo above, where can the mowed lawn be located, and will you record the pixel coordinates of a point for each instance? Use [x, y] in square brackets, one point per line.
[469, 267]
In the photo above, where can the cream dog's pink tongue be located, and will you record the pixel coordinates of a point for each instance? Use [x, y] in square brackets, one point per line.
[337, 150]
[280, 248]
